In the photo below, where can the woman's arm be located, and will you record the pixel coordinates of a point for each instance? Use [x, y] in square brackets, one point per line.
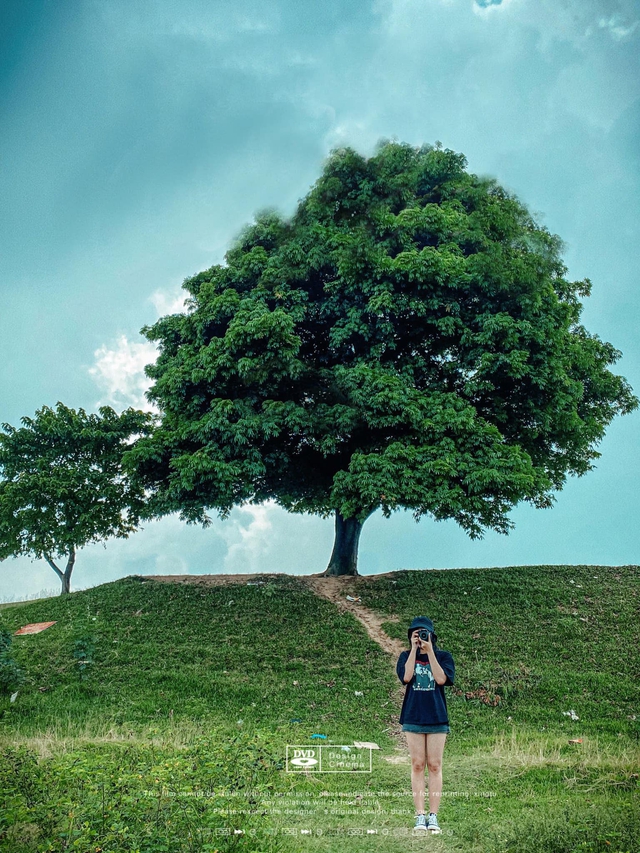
[438, 672]
[410, 664]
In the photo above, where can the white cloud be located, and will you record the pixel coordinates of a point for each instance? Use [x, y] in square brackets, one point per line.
[248, 545]
[248, 24]
[254, 539]
[617, 29]
[169, 303]
[119, 368]
[119, 372]
[574, 22]
[353, 133]
[525, 67]
[486, 8]
[266, 538]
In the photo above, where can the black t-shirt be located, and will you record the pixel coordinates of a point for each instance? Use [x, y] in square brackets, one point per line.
[424, 700]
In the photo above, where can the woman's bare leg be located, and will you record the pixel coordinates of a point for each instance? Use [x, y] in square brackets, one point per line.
[435, 749]
[417, 744]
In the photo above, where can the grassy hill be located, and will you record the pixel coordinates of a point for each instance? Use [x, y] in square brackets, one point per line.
[155, 716]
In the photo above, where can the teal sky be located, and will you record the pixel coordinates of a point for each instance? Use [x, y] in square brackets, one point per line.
[137, 137]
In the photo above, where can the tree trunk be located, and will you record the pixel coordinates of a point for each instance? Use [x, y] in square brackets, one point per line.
[344, 557]
[65, 576]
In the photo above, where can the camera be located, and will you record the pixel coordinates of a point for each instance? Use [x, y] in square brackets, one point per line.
[424, 635]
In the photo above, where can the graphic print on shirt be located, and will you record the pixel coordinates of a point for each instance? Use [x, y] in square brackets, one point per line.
[424, 677]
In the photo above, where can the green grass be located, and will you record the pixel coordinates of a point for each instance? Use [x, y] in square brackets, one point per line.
[176, 730]
[181, 652]
[544, 639]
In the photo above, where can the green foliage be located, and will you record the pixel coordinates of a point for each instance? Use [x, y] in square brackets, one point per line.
[136, 798]
[62, 482]
[571, 829]
[407, 339]
[83, 650]
[11, 674]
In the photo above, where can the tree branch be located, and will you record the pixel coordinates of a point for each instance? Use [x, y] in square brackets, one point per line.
[54, 567]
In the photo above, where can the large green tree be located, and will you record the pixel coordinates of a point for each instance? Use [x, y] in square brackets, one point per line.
[406, 339]
[63, 485]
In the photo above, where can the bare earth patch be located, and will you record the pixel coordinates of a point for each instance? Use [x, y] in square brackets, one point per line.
[335, 590]
[207, 580]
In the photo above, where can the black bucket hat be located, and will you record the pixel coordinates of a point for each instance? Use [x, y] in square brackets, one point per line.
[421, 622]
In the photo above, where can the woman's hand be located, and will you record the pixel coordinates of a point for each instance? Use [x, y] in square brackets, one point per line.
[438, 672]
[411, 660]
[427, 646]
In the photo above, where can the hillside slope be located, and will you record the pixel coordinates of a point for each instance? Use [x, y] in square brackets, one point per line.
[194, 683]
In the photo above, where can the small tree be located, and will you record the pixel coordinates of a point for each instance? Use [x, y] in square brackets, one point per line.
[62, 484]
[406, 339]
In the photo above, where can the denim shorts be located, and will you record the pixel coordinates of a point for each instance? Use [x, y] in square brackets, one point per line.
[430, 729]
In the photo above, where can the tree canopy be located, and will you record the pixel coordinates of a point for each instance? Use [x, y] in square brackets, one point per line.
[62, 484]
[407, 338]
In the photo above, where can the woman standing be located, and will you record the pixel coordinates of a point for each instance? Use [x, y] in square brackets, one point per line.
[425, 669]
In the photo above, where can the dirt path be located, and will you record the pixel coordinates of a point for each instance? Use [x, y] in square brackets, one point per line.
[334, 589]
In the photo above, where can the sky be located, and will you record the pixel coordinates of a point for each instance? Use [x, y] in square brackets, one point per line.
[137, 137]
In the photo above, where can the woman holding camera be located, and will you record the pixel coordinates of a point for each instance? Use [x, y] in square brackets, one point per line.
[425, 669]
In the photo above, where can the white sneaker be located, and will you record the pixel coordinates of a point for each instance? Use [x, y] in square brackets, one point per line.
[432, 824]
[421, 822]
